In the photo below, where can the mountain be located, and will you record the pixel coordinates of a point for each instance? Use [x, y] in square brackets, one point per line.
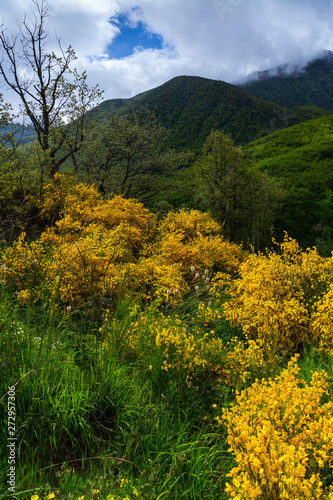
[290, 86]
[18, 133]
[301, 157]
[192, 106]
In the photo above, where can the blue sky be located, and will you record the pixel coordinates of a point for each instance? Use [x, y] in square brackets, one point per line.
[130, 46]
[133, 37]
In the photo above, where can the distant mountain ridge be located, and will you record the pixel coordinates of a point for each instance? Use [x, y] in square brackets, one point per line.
[290, 86]
[192, 106]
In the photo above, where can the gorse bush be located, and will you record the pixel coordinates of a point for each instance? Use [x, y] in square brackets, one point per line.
[126, 326]
[321, 321]
[282, 298]
[97, 248]
[190, 354]
[280, 432]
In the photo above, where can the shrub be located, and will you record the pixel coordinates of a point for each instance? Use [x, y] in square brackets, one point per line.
[280, 432]
[95, 248]
[275, 295]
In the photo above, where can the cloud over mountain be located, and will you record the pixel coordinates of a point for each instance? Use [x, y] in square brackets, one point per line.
[219, 39]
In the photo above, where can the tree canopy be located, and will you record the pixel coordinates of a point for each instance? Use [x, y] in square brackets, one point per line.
[244, 201]
[126, 155]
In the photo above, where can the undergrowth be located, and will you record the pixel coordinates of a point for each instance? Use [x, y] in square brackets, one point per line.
[140, 358]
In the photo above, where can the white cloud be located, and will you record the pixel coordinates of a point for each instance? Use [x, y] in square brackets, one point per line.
[220, 39]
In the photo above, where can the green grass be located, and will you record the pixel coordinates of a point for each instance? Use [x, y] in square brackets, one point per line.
[91, 419]
[97, 420]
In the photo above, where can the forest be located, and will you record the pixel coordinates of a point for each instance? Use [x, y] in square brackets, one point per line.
[166, 289]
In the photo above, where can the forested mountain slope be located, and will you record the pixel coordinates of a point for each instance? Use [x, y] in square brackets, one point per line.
[301, 157]
[313, 86]
[192, 106]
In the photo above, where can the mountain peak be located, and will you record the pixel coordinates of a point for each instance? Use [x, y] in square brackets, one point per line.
[290, 68]
[305, 83]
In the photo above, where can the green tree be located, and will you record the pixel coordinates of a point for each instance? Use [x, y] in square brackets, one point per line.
[53, 95]
[263, 199]
[10, 133]
[127, 156]
[15, 176]
[12, 168]
[220, 174]
[244, 200]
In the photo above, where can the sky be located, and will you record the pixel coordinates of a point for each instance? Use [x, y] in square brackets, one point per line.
[130, 46]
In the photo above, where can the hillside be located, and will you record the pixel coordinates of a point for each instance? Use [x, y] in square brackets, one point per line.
[301, 157]
[313, 86]
[192, 106]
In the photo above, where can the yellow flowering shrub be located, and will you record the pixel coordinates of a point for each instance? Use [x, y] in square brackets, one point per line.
[182, 352]
[220, 255]
[281, 434]
[56, 197]
[24, 264]
[242, 361]
[230, 362]
[188, 354]
[166, 340]
[207, 358]
[81, 209]
[96, 247]
[192, 239]
[321, 327]
[152, 278]
[207, 315]
[24, 296]
[275, 294]
[191, 223]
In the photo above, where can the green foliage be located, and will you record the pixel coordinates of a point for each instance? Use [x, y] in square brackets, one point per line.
[16, 176]
[301, 157]
[126, 155]
[220, 172]
[191, 107]
[244, 201]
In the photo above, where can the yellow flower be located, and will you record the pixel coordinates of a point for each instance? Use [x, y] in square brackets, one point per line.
[275, 429]
[94, 492]
[51, 495]
[34, 497]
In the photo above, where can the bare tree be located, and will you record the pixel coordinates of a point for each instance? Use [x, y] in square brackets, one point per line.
[55, 97]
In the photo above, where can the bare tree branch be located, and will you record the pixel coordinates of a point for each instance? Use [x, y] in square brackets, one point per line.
[55, 95]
